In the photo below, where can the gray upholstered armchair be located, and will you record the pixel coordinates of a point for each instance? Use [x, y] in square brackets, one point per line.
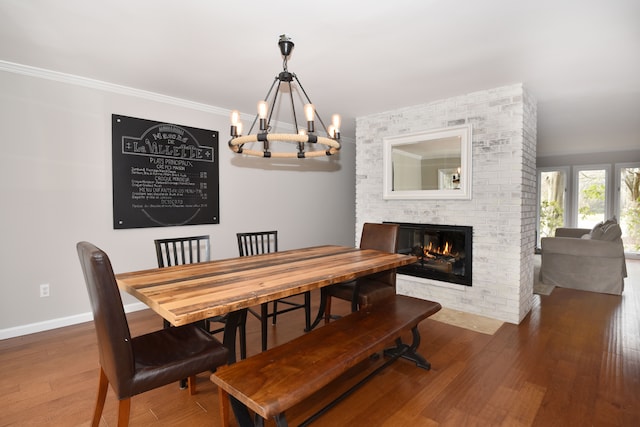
[590, 260]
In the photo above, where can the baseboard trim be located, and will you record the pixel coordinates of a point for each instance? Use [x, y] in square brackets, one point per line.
[61, 322]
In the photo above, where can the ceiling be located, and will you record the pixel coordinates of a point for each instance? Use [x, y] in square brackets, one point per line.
[579, 58]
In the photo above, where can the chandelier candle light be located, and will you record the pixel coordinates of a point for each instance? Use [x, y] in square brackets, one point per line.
[265, 111]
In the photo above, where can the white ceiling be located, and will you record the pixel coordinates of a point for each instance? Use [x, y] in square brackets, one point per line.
[580, 59]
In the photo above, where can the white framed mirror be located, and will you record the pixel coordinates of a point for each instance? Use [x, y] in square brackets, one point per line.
[433, 164]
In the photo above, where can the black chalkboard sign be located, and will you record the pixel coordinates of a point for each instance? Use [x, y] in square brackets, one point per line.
[163, 174]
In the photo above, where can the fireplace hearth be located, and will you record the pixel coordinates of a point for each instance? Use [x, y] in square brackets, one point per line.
[443, 251]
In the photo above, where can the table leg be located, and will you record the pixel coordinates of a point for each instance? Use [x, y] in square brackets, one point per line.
[320, 316]
[323, 305]
[355, 297]
[307, 313]
[235, 320]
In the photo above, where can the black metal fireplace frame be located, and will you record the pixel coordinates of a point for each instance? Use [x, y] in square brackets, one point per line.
[417, 269]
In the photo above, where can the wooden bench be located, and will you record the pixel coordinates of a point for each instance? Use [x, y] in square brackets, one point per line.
[271, 382]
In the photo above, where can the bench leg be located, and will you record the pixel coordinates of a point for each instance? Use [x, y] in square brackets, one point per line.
[223, 399]
[234, 320]
[280, 419]
[409, 352]
[241, 412]
[398, 352]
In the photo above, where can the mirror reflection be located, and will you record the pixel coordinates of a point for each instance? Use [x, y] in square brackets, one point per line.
[428, 165]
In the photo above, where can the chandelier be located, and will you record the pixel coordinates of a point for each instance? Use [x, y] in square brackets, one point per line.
[266, 107]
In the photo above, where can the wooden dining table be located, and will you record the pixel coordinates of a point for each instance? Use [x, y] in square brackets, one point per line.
[190, 293]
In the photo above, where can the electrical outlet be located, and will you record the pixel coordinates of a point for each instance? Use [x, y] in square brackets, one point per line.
[44, 290]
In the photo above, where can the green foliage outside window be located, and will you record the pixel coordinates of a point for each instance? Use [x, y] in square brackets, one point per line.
[631, 212]
[593, 199]
[551, 217]
[631, 215]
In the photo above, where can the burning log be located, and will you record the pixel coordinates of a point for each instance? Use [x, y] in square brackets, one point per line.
[446, 266]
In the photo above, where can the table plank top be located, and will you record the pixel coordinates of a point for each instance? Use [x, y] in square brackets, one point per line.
[188, 293]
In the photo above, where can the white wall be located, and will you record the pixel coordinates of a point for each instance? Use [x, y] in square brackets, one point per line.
[55, 187]
[501, 211]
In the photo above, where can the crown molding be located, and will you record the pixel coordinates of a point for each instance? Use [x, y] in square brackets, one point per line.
[42, 73]
[27, 70]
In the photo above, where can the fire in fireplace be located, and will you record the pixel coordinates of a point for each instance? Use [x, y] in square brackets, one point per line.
[443, 251]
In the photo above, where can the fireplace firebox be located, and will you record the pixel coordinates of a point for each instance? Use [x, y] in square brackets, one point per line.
[443, 251]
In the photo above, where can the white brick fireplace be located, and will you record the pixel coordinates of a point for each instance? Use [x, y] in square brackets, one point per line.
[502, 210]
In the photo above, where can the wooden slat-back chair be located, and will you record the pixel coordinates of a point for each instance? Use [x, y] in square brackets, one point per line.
[189, 250]
[256, 243]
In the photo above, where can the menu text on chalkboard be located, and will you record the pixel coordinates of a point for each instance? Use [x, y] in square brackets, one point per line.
[163, 174]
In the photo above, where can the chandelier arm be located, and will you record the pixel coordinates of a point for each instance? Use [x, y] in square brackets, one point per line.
[295, 119]
[293, 108]
[273, 106]
[309, 100]
[271, 88]
[255, 119]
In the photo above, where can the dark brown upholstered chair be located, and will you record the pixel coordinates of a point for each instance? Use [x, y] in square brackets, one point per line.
[372, 288]
[262, 242]
[189, 250]
[135, 365]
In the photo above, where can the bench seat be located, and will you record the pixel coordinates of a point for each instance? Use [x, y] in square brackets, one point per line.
[273, 381]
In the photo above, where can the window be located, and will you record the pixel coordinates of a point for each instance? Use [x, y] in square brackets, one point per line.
[592, 184]
[582, 196]
[628, 206]
[552, 188]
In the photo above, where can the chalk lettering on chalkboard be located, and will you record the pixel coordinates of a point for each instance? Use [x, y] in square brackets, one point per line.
[163, 174]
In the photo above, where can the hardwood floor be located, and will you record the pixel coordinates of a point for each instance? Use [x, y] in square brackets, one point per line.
[573, 361]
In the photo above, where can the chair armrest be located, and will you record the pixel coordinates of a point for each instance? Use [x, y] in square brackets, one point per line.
[572, 232]
[582, 247]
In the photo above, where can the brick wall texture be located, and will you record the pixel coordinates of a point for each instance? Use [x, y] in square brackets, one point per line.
[502, 210]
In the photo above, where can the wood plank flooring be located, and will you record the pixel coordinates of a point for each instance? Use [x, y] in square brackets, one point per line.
[573, 361]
